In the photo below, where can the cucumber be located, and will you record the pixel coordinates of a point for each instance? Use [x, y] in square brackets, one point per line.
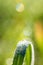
[20, 53]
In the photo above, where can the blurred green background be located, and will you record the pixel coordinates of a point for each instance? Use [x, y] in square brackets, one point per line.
[17, 24]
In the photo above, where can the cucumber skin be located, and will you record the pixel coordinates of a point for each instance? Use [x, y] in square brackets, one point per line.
[19, 55]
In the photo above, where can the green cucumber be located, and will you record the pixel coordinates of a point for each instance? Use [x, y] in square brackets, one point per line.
[20, 53]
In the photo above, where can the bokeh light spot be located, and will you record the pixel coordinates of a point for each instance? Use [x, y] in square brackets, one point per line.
[9, 61]
[20, 7]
